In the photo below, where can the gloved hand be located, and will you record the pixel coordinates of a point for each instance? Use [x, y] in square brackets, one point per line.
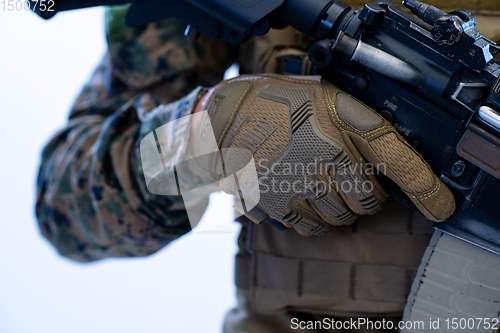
[317, 151]
[302, 151]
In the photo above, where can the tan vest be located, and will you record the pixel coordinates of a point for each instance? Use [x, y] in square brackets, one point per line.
[364, 269]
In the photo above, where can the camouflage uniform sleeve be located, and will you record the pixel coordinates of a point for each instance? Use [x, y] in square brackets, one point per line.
[92, 200]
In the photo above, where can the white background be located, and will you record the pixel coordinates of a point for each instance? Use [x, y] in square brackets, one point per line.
[186, 287]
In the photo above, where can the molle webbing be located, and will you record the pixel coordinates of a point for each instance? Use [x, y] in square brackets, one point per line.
[320, 277]
[363, 269]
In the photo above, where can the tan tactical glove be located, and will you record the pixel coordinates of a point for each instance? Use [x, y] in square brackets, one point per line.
[317, 151]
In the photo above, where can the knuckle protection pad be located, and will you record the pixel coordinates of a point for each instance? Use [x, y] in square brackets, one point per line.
[309, 148]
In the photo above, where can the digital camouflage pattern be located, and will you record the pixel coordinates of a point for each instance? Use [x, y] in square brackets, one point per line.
[92, 200]
[146, 55]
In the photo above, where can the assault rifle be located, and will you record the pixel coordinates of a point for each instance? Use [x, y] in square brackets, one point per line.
[430, 73]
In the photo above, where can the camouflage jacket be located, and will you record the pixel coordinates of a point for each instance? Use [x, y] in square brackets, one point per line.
[92, 200]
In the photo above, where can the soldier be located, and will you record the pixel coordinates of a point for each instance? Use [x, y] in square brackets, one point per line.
[93, 200]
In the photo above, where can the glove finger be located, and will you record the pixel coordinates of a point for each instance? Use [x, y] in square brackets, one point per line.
[355, 187]
[394, 157]
[327, 202]
[366, 132]
[308, 222]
